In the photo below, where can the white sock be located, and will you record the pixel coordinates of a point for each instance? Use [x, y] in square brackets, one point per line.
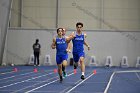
[83, 73]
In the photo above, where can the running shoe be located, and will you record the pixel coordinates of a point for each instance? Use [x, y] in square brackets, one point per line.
[64, 74]
[82, 77]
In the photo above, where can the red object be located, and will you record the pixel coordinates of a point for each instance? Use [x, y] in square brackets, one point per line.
[35, 70]
[55, 70]
[94, 71]
[75, 71]
[15, 69]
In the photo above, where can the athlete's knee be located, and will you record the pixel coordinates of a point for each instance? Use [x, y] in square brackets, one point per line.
[81, 59]
[64, 63]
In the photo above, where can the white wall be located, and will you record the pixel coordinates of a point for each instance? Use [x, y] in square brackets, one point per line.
[38, 14]
[123, 14]
[15, 13]
[5, 5]
[19, 45]
[95, 14]
[103, 43]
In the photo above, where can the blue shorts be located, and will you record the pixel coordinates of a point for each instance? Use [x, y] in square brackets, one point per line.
[76, 56]
[61, 58]
[66, 56]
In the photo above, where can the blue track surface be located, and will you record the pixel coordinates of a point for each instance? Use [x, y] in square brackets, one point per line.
[25, 80]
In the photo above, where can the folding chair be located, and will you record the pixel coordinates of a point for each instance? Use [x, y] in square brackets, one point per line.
[124, 62]
[93, 61]
[47, 60]
[138, 62]
[108, 61]
[31, 59]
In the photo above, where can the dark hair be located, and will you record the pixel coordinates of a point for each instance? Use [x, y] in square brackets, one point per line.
[79, 23]
[64, 29]
[58, 29]
[37, 40]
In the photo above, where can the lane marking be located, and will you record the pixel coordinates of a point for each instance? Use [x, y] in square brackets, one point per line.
[107, 87]
[110, 80]
[45, 84]
[34, 85]
[128, 71]
[15, 76]
[63, 91]
[7, 72]
[79, 83]
[19, 78]
[25, 80]
[137, 75]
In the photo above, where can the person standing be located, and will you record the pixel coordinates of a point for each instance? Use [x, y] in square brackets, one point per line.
[37, 51]
[78, 47]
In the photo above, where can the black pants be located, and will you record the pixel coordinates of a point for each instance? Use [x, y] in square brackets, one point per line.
[36, 57]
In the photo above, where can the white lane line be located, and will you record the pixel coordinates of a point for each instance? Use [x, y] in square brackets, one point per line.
[16, 75]
[79, 83]
[25, 80]
[34, 85]
[19, 75]
[45, 84]
[7, 72]
[11, 72]
[107, 87]
[19, 78]
[63, 91]
[128, 71]
[138, 76]
[3, 73]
